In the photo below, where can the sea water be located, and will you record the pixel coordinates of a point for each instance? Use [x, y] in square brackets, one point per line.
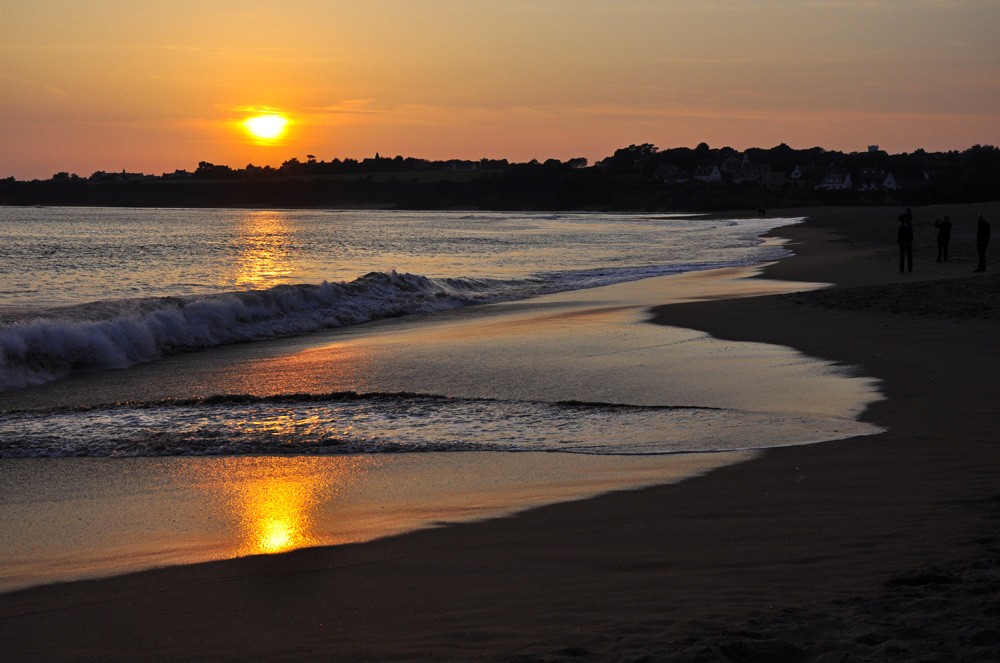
[381, 364]
[92, 288]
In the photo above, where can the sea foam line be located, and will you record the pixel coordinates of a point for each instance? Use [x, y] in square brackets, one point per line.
[335, 397]
[378, 423]
[118, 334]
[332, 423]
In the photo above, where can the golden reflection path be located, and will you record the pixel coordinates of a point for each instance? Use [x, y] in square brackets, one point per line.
[264, 258]
[272, 500]
[276, 515]
[335, 367]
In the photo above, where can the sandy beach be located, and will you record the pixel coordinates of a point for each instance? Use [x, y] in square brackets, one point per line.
[876, 548]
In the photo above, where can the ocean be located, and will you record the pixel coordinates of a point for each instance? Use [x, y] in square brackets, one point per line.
[165, 373]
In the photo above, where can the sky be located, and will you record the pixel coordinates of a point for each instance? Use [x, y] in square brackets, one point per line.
[151, 86]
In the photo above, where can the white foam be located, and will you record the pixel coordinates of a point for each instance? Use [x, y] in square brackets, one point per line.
[120, 333]
[350, 423]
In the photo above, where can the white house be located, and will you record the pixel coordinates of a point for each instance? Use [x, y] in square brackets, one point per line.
[709, 174]
[837, 179]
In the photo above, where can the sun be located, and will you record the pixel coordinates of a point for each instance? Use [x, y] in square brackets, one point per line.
[266, 127]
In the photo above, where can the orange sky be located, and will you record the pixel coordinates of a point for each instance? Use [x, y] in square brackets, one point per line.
[155, 86]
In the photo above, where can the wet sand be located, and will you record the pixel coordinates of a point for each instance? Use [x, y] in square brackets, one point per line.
[878, 547]
[64, 519]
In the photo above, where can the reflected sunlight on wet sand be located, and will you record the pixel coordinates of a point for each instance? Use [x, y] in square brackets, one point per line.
[107, 516]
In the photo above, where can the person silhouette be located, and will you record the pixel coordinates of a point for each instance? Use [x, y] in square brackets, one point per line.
[982, 241]
[943, 237]
[904, 237]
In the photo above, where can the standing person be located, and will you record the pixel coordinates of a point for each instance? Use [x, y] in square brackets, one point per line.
[904, 237]
[982, 241]
[943, 237]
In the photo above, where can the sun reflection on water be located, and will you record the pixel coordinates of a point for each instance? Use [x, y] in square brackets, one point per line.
[264, 257]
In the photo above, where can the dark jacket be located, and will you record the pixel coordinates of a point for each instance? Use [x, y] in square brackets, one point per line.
[905, 234]
[982, 232]
[944, 230]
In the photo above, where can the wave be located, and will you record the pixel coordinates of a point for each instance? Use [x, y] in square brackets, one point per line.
[377, 423]
[319, 424]
[122, 333]
[335, 397]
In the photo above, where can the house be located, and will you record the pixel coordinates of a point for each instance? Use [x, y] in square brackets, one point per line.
[797, 178]
[873, 179]
[671, 174]
[709, 174]
[837, 179]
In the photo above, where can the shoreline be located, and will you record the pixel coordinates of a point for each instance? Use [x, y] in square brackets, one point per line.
[676, 568]
[65, 519]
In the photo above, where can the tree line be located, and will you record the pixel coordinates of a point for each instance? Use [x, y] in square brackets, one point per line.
[636, 177]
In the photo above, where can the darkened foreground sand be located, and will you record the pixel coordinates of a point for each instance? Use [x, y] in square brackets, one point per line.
[880, 548]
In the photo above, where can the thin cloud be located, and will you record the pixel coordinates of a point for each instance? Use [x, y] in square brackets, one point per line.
[54, 91]
[349, 107]
[268, 54]
[427, 113]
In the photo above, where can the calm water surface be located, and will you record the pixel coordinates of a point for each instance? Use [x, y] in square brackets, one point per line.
[64, 256]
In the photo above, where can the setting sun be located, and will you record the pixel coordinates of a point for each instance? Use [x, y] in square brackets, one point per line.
[266, 127]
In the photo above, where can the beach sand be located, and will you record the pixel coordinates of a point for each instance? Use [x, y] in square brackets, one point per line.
[878, 548]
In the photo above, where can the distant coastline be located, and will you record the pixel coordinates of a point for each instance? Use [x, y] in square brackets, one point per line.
[634, 178]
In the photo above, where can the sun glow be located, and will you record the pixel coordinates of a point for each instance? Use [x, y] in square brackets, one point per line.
[266, 127]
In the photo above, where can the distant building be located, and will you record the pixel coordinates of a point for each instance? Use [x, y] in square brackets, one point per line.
[708, 173]
[873, 148]
[809, 176]
[837, 179]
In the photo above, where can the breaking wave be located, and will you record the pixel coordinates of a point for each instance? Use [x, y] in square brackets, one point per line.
[116, 334]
